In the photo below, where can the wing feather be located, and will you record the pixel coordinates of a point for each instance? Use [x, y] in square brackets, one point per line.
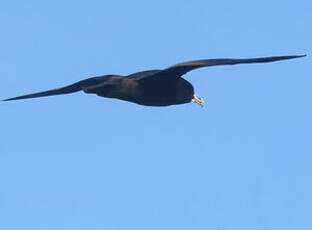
[182, 68]
[64, 90]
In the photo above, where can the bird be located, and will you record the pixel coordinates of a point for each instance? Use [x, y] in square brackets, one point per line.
[164, 87]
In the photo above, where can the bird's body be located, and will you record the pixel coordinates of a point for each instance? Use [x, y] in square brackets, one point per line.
[141, 90]
[151, 88]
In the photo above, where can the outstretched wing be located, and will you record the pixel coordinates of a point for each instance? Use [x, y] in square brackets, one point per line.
[65, 90]
[182, 68]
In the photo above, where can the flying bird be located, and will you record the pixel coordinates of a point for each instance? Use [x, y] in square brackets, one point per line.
[152, 87]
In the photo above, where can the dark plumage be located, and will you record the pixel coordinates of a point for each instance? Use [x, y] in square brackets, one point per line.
[153, 87]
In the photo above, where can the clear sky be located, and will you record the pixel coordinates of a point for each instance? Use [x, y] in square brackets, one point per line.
[83, 162]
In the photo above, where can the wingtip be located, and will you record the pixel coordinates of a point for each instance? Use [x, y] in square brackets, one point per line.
[298, 56]
[10, 99]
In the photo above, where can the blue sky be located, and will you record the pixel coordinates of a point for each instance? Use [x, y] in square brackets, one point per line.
[84, 162]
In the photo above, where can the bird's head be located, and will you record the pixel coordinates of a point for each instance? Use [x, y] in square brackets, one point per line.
[185, 93]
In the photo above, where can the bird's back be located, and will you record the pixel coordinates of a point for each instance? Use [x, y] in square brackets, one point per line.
[142, 74]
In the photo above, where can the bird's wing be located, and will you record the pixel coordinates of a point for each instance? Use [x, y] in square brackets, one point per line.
[182, 68]
[64, 90]
[142, 74]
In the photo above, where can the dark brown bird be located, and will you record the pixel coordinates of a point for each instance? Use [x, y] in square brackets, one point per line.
[152, 87]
